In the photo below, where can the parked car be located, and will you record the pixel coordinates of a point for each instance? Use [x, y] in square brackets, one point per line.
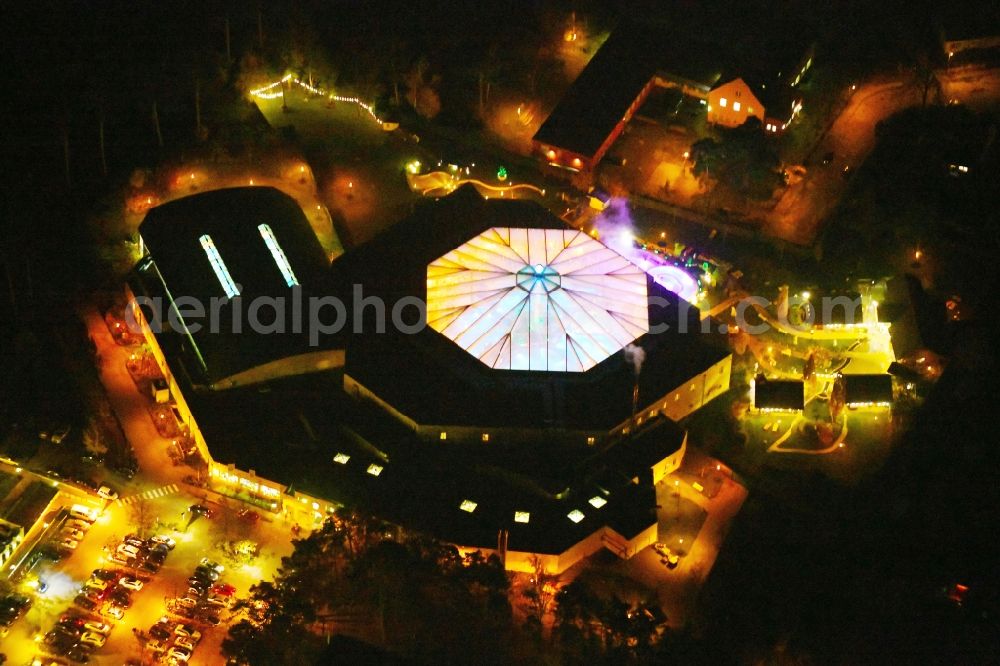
[205, 572]
[93, 638]
[160, 630]
[130, 583]
[211, 564]
[98, 585]
[223, 589]
[69, 544]
[72, 533]
[84, 602]
[121, 597]
[105, 574]
[202, 510]
[113, 611]
[104, 492]
[184, 642]
[78, 524]
[156, 646]
[187, 631]
[179, 653]
[102, 628]
[128, 549]
[165, 540]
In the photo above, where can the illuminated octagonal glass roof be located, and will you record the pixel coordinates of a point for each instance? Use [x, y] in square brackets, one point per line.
[537, 299]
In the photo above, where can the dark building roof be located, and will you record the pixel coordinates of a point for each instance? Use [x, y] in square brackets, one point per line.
[180, 267]
[602, 93]
[291, 433]
[291, 430]
[860, 389]
[433, 381]
[778, 394]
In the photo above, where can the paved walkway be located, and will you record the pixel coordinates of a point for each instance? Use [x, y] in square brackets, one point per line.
[155, 493]
[131, 407]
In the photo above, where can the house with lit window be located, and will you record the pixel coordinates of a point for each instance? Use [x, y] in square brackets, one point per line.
[504, 413]
[637, 58]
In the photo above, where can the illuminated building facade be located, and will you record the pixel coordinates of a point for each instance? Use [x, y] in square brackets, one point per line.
[517, 361]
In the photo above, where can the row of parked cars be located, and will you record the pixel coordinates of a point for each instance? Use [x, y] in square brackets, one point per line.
[175, 641]
[12, 607]
[74, 527]
[105, 596]
[206, 594]
[143, 555]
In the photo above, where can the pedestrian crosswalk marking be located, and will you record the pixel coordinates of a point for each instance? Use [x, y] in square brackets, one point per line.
[151, 494]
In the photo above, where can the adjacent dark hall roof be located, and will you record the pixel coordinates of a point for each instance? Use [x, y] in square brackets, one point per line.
[867, 388]
[180, 267]
[603, 91]
[778, 394]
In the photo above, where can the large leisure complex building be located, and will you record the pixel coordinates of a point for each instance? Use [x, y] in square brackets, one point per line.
[528, 408]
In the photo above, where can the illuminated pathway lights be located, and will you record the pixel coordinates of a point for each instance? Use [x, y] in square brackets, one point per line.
[537, 299]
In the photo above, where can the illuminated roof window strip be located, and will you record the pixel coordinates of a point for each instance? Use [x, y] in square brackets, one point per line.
[219, 266]
[278, 254]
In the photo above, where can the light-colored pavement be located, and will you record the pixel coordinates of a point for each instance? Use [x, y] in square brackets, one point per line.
[132, 410]
[677, 589]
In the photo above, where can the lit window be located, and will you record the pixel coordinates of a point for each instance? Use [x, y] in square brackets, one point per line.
[341, 458]
[577, 163]
[278, 254]
[736, 106]
[315, 506]
[575, 515]
[522, 517]
[443, 436]
[597, 501]
[590, 441]
[723, 102]
[486, 436]
[468, 506]
[374, 469]
[750, 110]
[551, 155]
[219, 266]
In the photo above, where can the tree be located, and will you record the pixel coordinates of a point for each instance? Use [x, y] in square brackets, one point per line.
[743, 160]
[142, 515]
[421, 86]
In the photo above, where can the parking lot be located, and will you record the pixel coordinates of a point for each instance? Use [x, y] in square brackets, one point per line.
[151, 597]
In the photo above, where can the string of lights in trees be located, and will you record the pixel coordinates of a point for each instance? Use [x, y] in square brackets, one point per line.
[275, 90]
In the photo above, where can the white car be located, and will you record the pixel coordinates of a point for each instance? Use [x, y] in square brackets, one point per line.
[205, 562]
[165, 540]
[93, 638]
[184, 642]
[69, 544]
[131, 583]
[128, 549]
[179, 653]
[106, 493]
[102, 628]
